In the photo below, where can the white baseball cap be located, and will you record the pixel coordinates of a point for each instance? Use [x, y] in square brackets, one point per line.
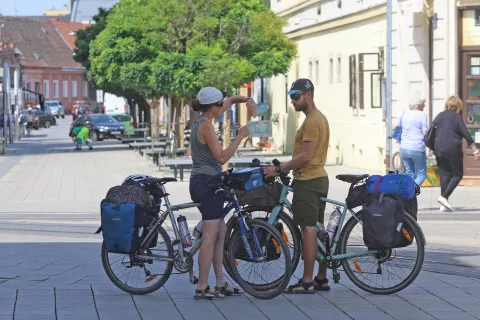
[209, 95]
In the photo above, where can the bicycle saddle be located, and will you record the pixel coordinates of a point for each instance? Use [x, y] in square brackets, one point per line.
[352, 178]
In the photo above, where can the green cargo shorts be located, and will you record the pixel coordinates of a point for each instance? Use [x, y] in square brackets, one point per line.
[307, 208]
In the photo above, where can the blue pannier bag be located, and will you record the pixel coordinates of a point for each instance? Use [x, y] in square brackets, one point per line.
[122, 226]
[392, 183]
[123, 218]
[247, 178]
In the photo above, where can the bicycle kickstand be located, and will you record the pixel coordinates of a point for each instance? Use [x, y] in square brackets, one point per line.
[193, 279]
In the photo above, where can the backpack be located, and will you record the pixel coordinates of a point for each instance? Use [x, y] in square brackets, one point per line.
[123, 217]
[383, 217]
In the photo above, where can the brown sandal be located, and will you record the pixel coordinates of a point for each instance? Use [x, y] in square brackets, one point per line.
[306, 288]
[226, 290]
[206, 294]
[317, 284]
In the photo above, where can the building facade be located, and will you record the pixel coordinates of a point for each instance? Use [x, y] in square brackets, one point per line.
[341, 48]
[46, 59]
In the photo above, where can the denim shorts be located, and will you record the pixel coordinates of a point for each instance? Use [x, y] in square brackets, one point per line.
[211, 203]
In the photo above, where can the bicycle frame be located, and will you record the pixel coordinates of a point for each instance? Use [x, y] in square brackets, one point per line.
[232, 203]
[283, 201]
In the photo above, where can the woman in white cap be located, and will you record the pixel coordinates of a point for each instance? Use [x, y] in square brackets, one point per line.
[208, 158]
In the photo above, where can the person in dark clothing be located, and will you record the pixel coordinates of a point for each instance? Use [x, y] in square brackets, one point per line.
[450, 130]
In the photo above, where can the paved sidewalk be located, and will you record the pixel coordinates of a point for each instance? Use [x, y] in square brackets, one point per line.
[50, 266]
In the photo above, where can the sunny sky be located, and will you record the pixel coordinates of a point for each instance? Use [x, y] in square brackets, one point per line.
[29, 7]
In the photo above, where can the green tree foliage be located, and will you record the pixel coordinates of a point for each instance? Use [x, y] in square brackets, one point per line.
[175, 47]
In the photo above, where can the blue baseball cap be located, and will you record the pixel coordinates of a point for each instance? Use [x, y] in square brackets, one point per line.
[301, 85]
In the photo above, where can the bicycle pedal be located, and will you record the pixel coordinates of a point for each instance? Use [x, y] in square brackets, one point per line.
[195, 280]
[336, 277]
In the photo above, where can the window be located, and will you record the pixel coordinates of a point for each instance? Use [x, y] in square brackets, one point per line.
[74, 88]
[477, 17]
[55, 88]
[28, 86]
[65, 88]
[353, 80]
[310, 69]
[37, 86]
[376, 90]
[46, 88]
[330, 78]
[85, 88]
[339, 69]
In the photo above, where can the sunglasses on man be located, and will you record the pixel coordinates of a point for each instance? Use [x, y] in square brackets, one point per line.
[296, 96]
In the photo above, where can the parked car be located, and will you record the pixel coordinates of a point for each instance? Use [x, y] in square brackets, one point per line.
[126, 120]
[101, 126]
[40, 118]
[56, 108]
[81, 109]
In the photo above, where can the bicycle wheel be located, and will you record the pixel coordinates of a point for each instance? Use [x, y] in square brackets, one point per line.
[138, 275]
[388, 271]
[275, 266]
[290, 233]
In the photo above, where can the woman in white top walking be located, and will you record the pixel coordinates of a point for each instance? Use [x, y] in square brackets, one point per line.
[412, 145]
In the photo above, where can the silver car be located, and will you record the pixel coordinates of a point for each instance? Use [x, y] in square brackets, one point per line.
[56, 108]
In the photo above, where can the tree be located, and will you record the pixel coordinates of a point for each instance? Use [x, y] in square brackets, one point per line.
[172, 48]
[82, 55]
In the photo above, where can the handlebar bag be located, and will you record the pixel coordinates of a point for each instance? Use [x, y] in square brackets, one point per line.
[246, 178]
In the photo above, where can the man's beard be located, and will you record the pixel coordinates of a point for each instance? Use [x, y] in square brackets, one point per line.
[301, 107]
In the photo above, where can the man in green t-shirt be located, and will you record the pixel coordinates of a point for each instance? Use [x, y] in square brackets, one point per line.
[310, 182]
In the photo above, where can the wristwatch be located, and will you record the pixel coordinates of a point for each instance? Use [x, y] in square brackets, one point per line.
[278, 169]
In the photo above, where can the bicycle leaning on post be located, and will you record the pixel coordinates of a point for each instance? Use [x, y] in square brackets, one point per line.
[147, 268]
[384, 271]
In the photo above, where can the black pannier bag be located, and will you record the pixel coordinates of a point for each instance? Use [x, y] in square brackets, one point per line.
[383, 221]
[265, 196]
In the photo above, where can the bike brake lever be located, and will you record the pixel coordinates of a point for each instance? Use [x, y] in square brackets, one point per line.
[218, 190]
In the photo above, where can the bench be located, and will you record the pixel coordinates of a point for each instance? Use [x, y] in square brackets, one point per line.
[181, 164]
[156, 153]
[147, 145]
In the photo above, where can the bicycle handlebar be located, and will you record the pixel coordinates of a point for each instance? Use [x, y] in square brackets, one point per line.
[209, 183]
[283, 177]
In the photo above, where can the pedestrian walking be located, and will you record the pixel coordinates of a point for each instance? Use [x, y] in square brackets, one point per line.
[413, 123]
[450, 130]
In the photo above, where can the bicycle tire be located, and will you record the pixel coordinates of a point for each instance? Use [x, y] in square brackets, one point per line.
[284, 218]
[402, 285]
[158, 284]
[258, 291]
